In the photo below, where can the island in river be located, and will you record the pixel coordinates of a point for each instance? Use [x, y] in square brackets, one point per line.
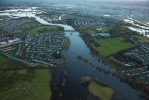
[75, 67]
[102, 91]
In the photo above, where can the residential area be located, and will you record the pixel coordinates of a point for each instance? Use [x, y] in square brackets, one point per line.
[134, 61]
[44, 47]
[33, 50]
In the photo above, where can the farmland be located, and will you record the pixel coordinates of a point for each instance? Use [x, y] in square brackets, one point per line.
[110, 46]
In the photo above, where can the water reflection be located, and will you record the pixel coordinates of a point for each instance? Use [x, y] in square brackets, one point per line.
[77, 68]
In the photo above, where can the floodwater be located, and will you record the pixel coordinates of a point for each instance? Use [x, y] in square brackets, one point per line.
[77, 68]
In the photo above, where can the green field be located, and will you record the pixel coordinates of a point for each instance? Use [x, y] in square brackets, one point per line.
[37, 29]
[143, 38]
[22, 71]
[3, 59]
[12, 51]
[112, 64]
[105, 30]
[145, 21]
[104, 93]
[34, 24]
[10, 80]
[3, 17]
[110, 46]
[90, 31]
[6, 63]
[39, 90]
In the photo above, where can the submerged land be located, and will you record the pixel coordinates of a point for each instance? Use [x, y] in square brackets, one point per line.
[32, 65]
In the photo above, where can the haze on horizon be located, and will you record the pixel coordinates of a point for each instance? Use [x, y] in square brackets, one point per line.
[144, 3]
[66, 1]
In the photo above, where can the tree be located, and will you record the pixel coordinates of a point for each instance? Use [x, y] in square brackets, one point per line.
[85, 80]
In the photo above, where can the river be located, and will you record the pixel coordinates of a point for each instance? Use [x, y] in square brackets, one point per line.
[77, 68]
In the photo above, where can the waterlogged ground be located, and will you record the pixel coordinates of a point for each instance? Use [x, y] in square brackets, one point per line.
[77, 68]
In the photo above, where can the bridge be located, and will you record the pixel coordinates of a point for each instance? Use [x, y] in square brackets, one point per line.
[70, 30]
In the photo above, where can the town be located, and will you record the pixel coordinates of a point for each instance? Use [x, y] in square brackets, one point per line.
[111, 40]
[41, 48]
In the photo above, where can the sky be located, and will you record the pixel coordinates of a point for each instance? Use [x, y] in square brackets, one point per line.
[66, 1]
[70, 0]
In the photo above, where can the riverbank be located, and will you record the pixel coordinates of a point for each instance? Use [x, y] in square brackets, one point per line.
[75, 66]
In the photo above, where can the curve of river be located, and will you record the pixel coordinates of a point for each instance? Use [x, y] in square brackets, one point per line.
[77, 68]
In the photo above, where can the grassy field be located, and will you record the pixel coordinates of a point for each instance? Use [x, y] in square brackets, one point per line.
[3, 59]
[7, 63]
[39, 79]
[12, 51]
[36, 29]
[40, 90]
[145, 21]
[22, 71]
[110, 46]
[104, 93]
[104, 30]
[34, 24]
[90, 31]
[42, 85]
[143, 38]
[3, 17]
[112, 64]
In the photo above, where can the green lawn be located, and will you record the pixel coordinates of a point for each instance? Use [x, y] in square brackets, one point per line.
[34, 24]
[40, 90]
[11, 51]
[143, 38]
[90, 31]
[104, 30]
[110, 46]
[3, 59]
[104, 93]
[36, 29]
